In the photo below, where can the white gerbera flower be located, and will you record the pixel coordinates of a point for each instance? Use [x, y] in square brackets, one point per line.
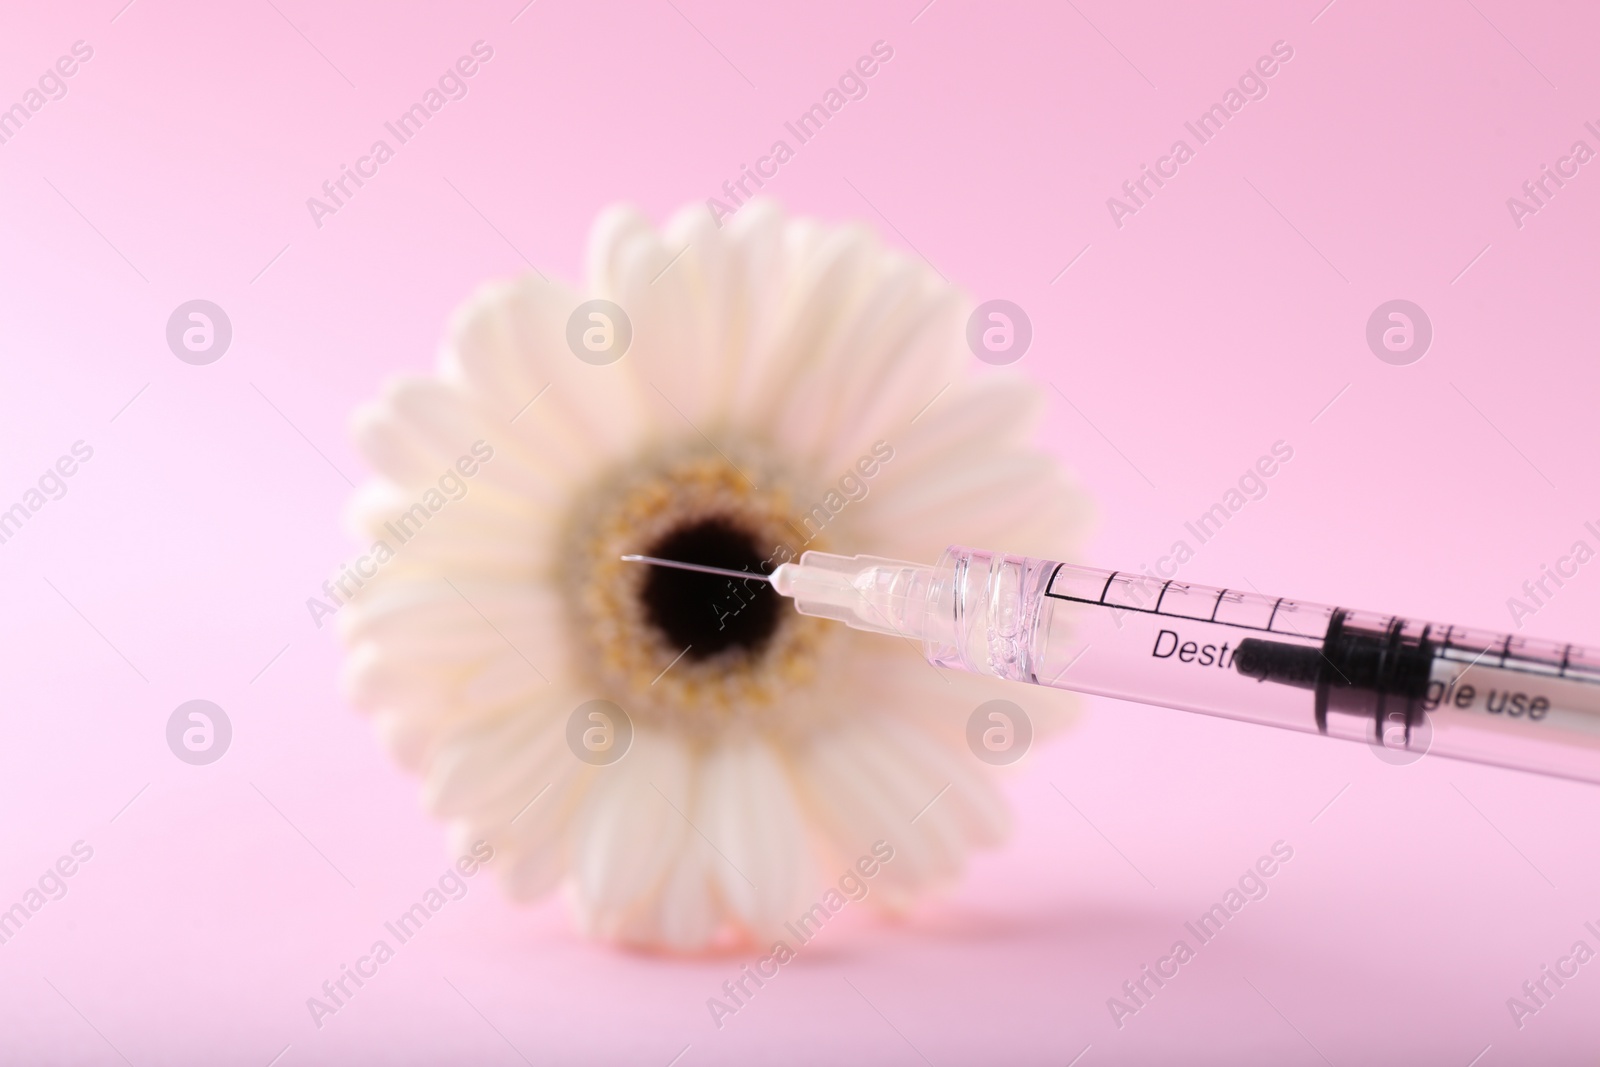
[788, 386]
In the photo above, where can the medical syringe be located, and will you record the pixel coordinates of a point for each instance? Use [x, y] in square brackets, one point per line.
[1393, 682]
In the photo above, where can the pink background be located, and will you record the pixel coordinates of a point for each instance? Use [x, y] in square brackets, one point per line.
[1224, 316]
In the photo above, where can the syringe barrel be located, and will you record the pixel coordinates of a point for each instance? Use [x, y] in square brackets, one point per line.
[1405, 687]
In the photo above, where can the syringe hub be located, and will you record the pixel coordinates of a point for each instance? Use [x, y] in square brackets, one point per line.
[886, 596]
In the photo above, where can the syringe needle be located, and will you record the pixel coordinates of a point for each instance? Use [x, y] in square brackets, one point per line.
[680, 565]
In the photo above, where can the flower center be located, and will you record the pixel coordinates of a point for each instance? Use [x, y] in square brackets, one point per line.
[704, 613]
[699, 654]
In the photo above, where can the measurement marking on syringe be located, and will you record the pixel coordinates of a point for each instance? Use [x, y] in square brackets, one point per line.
[1463, 656]
[1213, 620]
[1161, 595]
[1536, 663]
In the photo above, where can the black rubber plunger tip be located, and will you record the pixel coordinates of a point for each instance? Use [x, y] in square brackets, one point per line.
[1278, 661]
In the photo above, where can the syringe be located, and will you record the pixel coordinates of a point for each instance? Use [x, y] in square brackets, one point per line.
[1400, 684]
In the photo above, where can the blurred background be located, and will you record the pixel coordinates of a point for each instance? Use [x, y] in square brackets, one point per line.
[1177, 343]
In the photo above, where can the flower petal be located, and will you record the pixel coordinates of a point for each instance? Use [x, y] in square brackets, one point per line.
[748, 809]
[868, 785]
[631, 830]
[685, 915]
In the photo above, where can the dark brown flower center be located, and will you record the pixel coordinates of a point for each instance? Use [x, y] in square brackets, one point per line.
[701, 655]
[704, 613]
